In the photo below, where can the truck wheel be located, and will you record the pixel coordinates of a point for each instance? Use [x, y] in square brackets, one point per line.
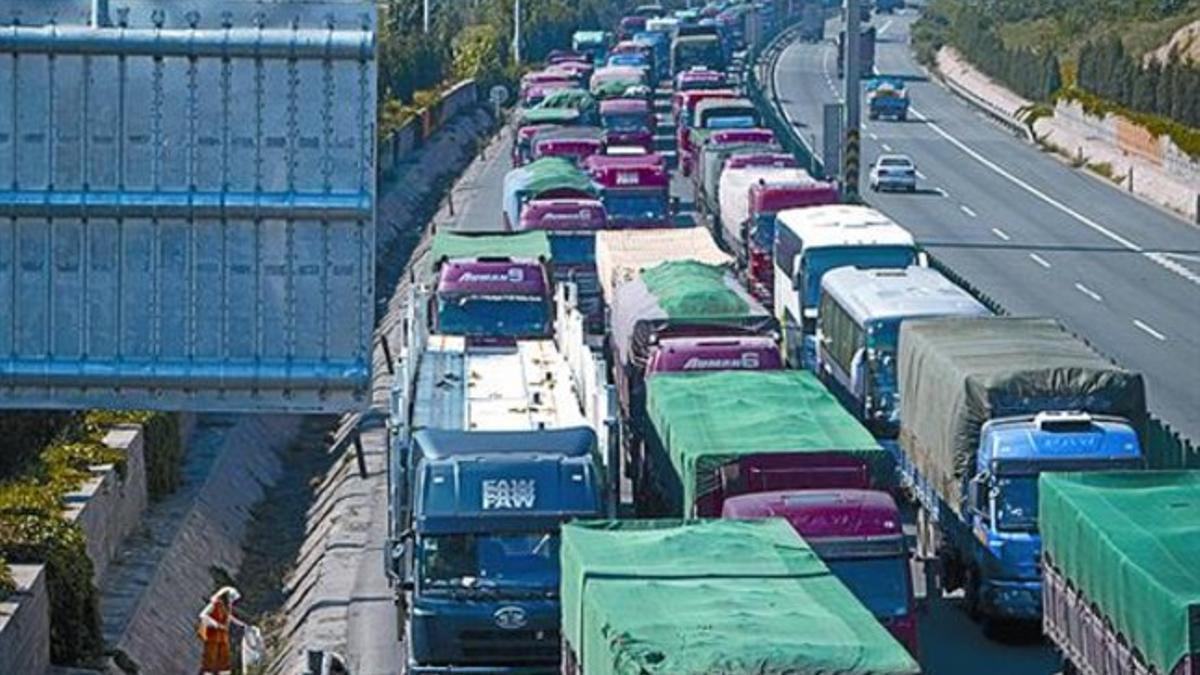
[903, 117]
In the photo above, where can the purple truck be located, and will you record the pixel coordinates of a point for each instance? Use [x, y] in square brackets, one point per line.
[571, 225]
[637, 189]
[628, 122]
[858, 535]
[493, 298]
[694, 354]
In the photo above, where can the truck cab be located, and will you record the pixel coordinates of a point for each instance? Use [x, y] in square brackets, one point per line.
[700, 77]
[701, 354]
[572, 225]
[689, 51]
[488, 298]
[628, 122]
[594, 43]
[858, 534]
[573, 144]
[481, 569]
[887, 97]
[629, 25]
[710, 115]
[635, 188]
[1002, 578]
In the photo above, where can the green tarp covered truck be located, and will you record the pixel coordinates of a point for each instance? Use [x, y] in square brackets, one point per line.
[714, 435]
[1121, 567]
[990, 403]
[711, 596]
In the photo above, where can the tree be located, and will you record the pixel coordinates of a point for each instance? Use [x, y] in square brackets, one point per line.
[1052, 76]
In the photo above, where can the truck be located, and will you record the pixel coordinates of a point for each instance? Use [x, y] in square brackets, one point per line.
[866, 51]
[711, 596]
[711, 114]
[716, 148]
[546, 178]
[571, 225]
[887, 97]
[765, 200]
[497, 426]
[1121, 594]
[730, 217]
[622, 254]
[711, 436]
[859, 536]
[618, 81]
[628, 122]
[699, 78]
[689, 51]
[858, 333]
[594, 43]
[636, 189]
[561, 106]
[989, 404]
[812, 21]
[701, 354]
[572, 143]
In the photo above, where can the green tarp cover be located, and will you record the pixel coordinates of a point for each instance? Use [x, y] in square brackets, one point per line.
[690, 288]
[450, 245]
[530, 116]
[1130, 542]
[542, 176]
[712, 596]
[613, 88]
[957, 373]
[574, 99]
[702, 421]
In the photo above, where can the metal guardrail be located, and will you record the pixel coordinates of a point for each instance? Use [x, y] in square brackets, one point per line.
[767, 100]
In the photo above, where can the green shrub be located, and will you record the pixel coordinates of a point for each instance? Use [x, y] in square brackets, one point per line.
[1187, 138]
[7, 585]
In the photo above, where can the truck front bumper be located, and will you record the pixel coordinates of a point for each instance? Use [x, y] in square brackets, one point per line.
[1011, 600]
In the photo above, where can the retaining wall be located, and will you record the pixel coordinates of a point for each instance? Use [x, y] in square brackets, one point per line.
[401, 145]
[25, 623]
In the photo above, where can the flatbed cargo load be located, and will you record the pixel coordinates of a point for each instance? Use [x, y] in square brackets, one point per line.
[622, 254]
[711, 596]
[703, 421]
[958, 373]
[454, 245]
[1129, 541]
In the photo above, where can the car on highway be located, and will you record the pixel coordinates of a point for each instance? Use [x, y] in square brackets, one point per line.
[894, 172]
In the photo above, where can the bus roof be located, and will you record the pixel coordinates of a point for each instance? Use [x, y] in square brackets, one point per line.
[869, 295]
[843, 225]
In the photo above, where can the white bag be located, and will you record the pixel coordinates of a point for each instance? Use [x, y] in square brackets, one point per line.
[253, 649]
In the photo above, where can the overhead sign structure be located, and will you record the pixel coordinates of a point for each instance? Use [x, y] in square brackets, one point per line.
[187, 204]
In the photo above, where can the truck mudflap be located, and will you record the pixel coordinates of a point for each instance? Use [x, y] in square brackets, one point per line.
[1086, 638]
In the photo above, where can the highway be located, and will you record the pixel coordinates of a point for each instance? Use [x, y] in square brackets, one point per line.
[1037, 235]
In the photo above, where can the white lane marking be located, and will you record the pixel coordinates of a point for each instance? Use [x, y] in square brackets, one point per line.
[1088, 292]
[886, 147]
[920, 175]
[872, 135]
[1039, 260]
[1157, 258]
[1001, 233]
[1149, 329]
[967, 210]
[942, 192]
[884, 27]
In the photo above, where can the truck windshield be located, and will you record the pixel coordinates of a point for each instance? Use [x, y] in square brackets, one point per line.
[818, 261]
[879, 583]
[634, 205]
[1017, 503]
[573, 249]
[493, 317]
[627, 122]
[730, 122]
[705, 53]
[525, 561]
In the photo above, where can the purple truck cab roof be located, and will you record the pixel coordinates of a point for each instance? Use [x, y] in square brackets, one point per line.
[493, 276]
[775, 197]
[628, 171]
[616, 106]
[708, 78]
[822, 514]
[762, 159]
[563, 214]
[732, 136]
[696, 354]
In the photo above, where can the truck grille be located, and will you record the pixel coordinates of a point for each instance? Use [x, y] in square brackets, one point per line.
[510, 646]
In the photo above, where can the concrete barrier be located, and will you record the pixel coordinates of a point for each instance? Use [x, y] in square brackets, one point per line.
[25, 623]
[400, 145]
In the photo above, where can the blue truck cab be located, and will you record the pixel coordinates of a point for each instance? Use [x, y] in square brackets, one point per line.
[478, 561]
[996, 545]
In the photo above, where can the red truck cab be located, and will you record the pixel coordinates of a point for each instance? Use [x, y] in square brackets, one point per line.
[766, 201]
[522, 148]
[572, 143]
[571, 224]
[699, 78]
[628, 122]
[683, 107]
[636, 189]
[859, 536]
[696, 354]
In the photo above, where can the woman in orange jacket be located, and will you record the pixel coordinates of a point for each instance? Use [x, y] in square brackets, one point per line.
[215, 622]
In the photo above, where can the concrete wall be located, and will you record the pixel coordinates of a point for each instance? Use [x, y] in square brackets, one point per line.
[108, 506]
[25, 623]
[401, 145]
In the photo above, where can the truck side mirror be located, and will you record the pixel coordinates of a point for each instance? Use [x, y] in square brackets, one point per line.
[977, 492]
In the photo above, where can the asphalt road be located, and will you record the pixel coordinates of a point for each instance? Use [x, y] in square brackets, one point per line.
[1038, 236]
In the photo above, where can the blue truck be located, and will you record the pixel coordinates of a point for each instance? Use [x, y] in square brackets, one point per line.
[497, 433]
[989, 404]
[887, 97]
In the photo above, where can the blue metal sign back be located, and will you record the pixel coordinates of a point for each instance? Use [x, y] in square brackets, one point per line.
[187, 204]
